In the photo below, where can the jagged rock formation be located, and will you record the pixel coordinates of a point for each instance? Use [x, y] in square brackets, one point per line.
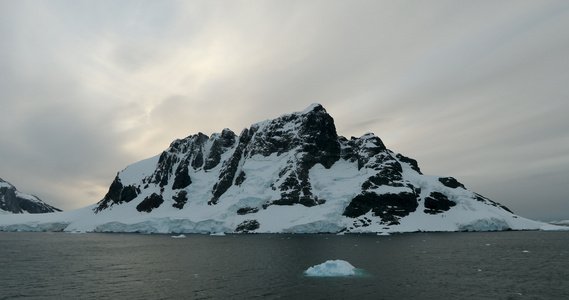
[13, 201]
[311, 140]
[245, 183]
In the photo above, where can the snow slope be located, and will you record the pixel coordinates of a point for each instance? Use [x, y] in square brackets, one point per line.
[561, 223]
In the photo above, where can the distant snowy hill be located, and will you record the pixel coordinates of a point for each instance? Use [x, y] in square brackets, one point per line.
[14, 201]
[561, 223]
[290, 174]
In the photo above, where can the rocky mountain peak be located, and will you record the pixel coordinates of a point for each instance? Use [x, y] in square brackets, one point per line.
[308, 137]
[309, 131]
[14, 201]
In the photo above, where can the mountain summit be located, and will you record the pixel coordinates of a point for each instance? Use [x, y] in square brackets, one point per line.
[293, 174]
[14, 201]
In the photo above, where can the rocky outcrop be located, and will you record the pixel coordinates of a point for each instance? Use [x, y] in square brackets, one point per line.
[309, 137]
[13, 201]
[437, 203]
[117, 194]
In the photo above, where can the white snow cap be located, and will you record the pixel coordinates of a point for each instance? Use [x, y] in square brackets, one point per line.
[310, 108]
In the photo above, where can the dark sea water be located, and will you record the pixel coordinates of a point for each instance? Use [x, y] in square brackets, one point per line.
[493, 265]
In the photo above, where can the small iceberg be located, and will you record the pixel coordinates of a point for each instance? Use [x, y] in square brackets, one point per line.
[181, 236]
[218, 234]
[331, 268]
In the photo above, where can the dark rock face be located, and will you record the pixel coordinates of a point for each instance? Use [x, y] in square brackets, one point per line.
[180, 199]
[317, 142]
[220, 146]
[361, 149]
[247, 210]
[451, 182]
[229, 170]
[390, 207]
[149, 203]
[437, 203]
[413, 163]
[11, 200]
[129, 192]
[490, 202]
[389, 174]
[370, 152]
[192, 153]
[118, 194]
[189, 153]
[248, 226]
[314, 132]
[311, 135]
[240, 178]
[182, 177]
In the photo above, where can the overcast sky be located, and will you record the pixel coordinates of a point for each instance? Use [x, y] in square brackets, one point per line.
[477, 90]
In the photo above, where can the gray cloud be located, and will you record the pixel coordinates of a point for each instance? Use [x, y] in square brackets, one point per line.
[475, 90]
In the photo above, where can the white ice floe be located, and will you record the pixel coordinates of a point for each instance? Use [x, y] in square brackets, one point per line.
[181, 236]
[331, 268]
[218, 234]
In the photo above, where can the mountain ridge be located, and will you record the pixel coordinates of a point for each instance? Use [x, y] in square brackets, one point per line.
[291, 174]
[16, 202]
[306, 138]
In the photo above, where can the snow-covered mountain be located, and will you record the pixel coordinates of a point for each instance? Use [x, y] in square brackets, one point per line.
[560, 223]
[14, 201]
[290, 174]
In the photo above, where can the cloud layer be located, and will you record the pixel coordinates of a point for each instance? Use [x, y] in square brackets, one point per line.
[474, 90]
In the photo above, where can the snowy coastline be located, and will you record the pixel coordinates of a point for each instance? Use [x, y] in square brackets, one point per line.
[84, 220]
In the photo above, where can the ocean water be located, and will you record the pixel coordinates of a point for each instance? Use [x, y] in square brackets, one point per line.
[490, 265]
